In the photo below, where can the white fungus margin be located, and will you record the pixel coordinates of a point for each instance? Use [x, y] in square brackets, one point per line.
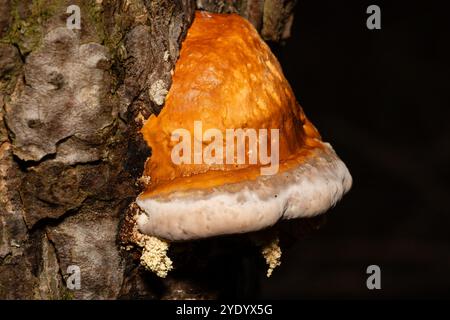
[304, 191]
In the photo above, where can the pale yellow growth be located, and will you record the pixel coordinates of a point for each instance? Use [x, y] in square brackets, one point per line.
[154, 255]
[272, 253]
[145, 180]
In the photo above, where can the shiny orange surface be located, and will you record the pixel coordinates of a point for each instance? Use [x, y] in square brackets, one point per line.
[226, 77]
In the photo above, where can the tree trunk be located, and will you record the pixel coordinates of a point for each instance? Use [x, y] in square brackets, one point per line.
[71, 105]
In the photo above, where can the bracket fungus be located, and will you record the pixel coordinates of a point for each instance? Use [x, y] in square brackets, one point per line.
[226, 78]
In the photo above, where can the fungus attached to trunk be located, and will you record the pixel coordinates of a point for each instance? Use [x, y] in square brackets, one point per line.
[226, 79]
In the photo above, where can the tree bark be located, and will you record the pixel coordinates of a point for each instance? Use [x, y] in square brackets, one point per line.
[71, 105]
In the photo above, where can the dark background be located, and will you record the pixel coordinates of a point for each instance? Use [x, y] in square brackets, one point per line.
[381, 98]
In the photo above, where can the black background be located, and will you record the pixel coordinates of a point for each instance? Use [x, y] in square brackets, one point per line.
[381, 98]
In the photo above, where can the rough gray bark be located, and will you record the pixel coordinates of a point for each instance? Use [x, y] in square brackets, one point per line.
[71, 105]
[272, 18]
